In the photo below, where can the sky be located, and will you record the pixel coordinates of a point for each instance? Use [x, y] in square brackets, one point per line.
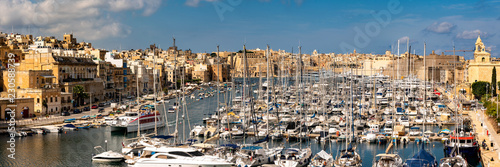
[323, 25]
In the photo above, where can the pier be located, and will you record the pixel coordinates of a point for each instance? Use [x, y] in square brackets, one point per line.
[490, 156]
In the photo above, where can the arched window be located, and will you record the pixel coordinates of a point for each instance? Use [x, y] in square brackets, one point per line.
[483, 59]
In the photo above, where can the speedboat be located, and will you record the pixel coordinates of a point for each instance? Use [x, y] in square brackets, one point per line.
[69, 127]
[52, 129]
[175, 156]
[106, 156]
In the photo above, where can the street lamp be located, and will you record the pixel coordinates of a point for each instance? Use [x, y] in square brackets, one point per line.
[90, 93]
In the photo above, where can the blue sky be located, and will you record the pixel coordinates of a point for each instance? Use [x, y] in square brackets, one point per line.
[200, 25]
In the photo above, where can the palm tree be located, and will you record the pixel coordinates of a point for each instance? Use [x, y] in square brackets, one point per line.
[79, 93]
[44, 104]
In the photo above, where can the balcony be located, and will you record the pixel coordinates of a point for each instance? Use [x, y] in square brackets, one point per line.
[77, 80]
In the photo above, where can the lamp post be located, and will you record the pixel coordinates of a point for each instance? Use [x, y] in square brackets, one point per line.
[90, 93]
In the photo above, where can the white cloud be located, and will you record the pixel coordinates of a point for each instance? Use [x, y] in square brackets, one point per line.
[88, 19]
[472, 34]
[440, 28]
[195, 3]
[403, 39]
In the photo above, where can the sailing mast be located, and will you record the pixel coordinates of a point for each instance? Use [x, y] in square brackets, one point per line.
[244, 90]
[267, 91]
[154, 86]
[218, 90]
[177, 96]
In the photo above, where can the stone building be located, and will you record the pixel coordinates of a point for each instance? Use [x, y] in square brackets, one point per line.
[481, 67]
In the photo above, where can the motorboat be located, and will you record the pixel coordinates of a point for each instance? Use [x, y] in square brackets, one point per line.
[106, 156]
[176, 156]
[69, 127]
[256, 156]
[294, 157]
[198, 131]
[52, 129]
[128, 122]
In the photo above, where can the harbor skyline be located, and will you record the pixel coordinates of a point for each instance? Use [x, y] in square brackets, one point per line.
[324, 26]
[240, 83]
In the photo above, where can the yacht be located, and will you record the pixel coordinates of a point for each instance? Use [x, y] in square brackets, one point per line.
[293, 157]
[465, 144]
[128, 122]
[256, 156]
[175, 156]
[106, 156]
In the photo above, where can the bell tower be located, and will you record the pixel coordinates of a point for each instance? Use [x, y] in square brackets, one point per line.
[480, 54]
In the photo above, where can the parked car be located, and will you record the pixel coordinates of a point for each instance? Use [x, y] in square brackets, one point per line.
[129, 97]
[123, 107]
[86, 108]
[76, 111]
[101, 104]
[95, 107]
[65, 113]
[101, 110]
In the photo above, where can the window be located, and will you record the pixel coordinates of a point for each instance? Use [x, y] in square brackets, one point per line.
[56, 108]
[56, 99]
[37, 100]
[179, 153]
[51, 99]
[483, 59]
[196, 153]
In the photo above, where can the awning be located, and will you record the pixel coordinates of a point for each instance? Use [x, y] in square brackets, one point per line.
[48, 76]
[324, 155]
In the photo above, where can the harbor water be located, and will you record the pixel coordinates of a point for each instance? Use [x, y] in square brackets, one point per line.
[75, 148]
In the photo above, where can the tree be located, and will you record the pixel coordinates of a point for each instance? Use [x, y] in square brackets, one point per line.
[165, 90]
[44, 104]
[479, 88]
[213, 54]
[494, 80]
[79, 94]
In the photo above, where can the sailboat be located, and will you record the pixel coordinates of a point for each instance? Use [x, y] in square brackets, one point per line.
[295, 157]
[322, 159]
[387, 159]
[349, 156]
[421, 158]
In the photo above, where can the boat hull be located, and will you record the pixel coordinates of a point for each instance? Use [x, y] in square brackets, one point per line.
[471, 154]
[133, 127]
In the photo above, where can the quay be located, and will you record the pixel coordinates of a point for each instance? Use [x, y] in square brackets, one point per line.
[490, 156]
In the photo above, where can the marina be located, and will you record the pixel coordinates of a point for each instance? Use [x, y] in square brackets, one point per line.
[313, 139]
